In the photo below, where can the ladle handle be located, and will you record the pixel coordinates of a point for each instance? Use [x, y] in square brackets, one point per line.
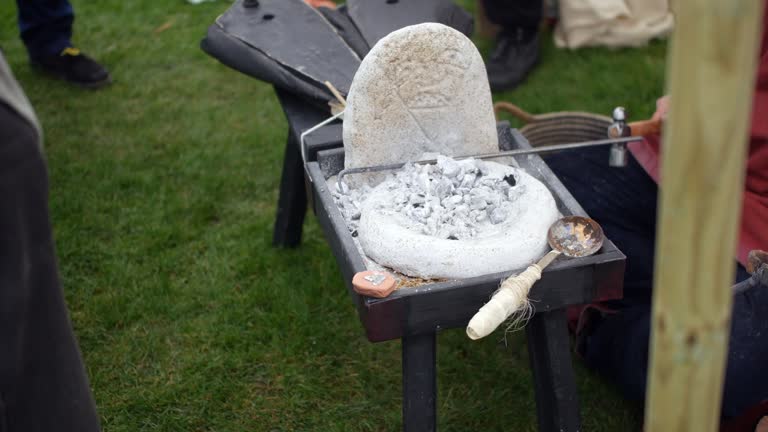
[645, 127]
[511, 297]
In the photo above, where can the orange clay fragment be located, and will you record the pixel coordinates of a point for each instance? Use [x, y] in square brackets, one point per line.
[373, 283]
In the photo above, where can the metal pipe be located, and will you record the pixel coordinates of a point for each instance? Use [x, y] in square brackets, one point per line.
[544, 149]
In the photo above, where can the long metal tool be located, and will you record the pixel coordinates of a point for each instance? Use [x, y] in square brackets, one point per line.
[543, 149]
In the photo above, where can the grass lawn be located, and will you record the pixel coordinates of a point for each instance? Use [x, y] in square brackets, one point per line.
[163, 192]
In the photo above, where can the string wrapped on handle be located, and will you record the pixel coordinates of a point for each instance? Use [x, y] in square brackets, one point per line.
[509, 299]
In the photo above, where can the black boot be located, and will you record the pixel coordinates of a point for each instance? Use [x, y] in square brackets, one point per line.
[515, 55]
[75, 67]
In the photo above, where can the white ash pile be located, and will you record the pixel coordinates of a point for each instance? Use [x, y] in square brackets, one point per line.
[454, 219]
[452, 199]
[448, 200]
[350, 204]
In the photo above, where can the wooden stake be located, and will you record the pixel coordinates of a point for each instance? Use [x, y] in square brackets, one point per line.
[711, 76]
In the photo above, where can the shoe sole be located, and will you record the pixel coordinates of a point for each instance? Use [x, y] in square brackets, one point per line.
[85, 85]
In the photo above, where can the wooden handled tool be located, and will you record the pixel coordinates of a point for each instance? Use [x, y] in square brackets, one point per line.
[645, 127]
[572, 236]
[620, 128]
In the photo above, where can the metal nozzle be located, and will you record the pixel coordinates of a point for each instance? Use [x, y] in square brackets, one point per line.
[618, 157]
[617, 129]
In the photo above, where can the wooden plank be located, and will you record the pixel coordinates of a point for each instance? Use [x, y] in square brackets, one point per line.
[710, 77]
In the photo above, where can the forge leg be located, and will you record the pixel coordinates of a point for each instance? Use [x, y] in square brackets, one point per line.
[419, 383]
[557, 404]
[292, 203]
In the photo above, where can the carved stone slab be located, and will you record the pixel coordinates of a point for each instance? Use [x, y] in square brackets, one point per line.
[421, 89]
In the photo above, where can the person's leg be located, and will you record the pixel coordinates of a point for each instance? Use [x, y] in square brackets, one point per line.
[746, 376]
[46, 29]
[45, 26]
[512, 14]
[517, 46]
[43, 384]
[618, 349]
[623, 201]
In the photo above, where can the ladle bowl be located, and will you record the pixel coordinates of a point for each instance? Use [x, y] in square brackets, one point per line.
[575, 236]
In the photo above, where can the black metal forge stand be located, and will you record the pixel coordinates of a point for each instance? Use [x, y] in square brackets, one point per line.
[416, 315]
[292, 201]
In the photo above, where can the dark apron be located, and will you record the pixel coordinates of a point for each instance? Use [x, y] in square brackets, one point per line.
[43, 384]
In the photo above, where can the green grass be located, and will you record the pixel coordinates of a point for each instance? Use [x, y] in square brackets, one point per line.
[163, 191]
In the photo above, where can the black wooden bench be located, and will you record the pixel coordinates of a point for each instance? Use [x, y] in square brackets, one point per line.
[416, 315]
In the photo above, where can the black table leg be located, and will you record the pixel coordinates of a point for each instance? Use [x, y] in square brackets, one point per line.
[419, 383]
[557, 403]
[292, 203]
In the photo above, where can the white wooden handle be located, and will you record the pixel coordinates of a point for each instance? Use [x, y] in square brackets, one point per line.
[510, 298]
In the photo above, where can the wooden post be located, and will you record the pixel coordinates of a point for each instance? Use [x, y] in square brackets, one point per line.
[711, 76]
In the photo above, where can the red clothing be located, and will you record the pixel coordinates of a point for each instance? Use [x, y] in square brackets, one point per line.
[753, 232]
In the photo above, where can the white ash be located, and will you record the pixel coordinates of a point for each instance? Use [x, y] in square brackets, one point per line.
[449, 200]
[350, 202]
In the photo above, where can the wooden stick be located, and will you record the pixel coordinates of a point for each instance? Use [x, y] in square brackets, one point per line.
[711, 75]
[336, 93]
[645, 127]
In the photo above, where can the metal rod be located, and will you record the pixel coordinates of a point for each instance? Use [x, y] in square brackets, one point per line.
[312, 129]
[543, 149]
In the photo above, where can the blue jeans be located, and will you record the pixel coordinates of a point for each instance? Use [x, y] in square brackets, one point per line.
[45, 26]
[623, 201]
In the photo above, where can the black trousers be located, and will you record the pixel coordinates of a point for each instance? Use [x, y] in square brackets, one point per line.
[43, 384]
[623, 201]
[513, 14]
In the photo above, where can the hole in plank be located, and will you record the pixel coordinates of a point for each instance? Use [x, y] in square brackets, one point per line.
[392, 1]
[268, 17]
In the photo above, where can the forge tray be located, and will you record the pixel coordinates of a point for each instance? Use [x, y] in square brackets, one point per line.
[434, 306]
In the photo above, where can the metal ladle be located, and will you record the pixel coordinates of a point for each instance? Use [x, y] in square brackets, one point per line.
[572, 236]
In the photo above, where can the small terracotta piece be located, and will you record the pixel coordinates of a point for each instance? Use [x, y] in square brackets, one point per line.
[373, 283]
